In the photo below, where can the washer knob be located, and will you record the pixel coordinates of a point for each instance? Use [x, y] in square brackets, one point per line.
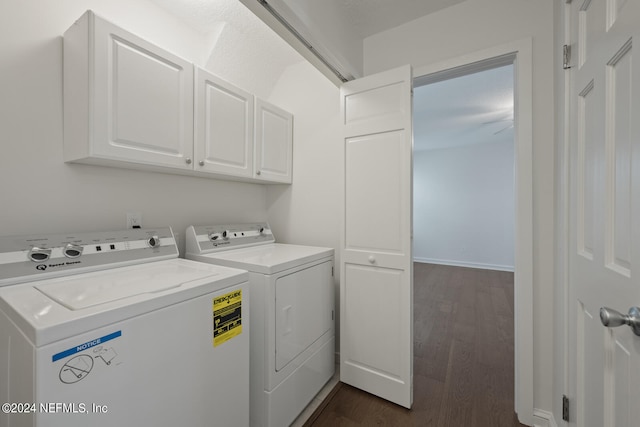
[154, 241]
[39, 254]
[72, 250]
[225, 234]
[214, 236]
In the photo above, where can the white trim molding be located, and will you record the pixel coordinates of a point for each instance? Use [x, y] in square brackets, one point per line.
[543, 418]
[468, 264]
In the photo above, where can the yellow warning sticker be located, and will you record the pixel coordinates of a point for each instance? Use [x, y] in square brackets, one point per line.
[227, 317]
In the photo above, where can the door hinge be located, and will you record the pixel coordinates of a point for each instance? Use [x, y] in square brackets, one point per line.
[565, 408]
[566, 56]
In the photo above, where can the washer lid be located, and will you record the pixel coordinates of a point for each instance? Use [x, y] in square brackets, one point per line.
[268, 259]
[50, 310]
[77, 293]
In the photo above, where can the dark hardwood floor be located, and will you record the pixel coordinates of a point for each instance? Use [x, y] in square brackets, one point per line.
[463, 357]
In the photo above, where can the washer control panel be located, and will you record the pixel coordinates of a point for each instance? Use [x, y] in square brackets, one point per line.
[24, 258]
[209, 238]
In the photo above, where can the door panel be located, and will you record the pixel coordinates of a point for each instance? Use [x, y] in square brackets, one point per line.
[224, 126]
[605, 198]
[303, 314]
[373, 202]
[376, 290]
[143, 98]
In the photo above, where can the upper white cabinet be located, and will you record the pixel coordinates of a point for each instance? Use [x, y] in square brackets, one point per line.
[224, 127]
[274, 143]
[129, 103]
[125, 100]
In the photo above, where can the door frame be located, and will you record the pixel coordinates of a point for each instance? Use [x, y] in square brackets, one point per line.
[520, 54]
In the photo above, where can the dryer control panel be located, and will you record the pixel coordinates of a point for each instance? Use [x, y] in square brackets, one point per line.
[32, 257]
[211, 238]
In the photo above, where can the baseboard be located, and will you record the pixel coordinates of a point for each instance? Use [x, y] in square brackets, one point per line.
[465, 264]
[543, 419]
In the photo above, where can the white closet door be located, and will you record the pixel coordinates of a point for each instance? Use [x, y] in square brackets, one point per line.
[376, 290]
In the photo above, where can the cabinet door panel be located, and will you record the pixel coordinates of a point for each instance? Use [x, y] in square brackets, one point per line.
[274, 143]
[143, 105]
[224, 127]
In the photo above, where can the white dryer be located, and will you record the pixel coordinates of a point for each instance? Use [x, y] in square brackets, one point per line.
[292, 314]
[112, 329]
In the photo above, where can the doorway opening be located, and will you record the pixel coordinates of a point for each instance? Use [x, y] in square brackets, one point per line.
[513, 120]
[463, 163]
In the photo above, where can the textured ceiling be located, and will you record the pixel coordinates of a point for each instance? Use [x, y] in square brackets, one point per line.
[472, 109]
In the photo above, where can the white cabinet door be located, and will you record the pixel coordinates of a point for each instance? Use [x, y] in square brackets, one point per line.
[376, 289]
[273, 143]
[223, 127]
[130, 99]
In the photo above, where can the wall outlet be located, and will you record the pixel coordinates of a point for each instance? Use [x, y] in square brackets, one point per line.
[134, 220]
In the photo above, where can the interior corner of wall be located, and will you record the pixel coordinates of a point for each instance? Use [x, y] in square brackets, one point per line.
[211, 41]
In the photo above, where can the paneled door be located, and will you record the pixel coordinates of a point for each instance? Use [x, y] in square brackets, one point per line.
[604, 362]
[376, 289]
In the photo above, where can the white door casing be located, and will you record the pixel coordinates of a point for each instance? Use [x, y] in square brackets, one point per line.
[604, 246]
[376, 290]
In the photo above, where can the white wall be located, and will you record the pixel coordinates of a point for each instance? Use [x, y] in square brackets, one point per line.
[39, 193]
[467, 28]
[463, 206]
[308, 212]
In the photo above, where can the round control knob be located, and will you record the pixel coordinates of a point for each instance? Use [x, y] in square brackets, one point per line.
[39, 254]
[154, 241]
[214, 236]
[225, 234]
[372, 259]
[72, 250]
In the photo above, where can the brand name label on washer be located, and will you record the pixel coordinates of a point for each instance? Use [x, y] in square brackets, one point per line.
[86, 345]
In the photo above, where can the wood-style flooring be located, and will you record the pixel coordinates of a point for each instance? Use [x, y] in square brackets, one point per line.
[463, 357]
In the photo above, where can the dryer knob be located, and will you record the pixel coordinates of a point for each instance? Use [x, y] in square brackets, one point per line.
[214, 236]
[154, 241]
[226, 234]
[39, 255]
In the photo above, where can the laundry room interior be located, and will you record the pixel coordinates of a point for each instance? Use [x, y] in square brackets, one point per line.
[41, 193]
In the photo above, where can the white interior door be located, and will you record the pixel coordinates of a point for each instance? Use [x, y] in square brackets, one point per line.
[376, 289]
[605, 204]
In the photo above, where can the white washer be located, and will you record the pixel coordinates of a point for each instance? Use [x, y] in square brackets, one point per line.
[292, 314]
[112, 329]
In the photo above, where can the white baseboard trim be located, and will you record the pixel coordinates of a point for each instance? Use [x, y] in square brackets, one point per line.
[465, 264]
[543, 419]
